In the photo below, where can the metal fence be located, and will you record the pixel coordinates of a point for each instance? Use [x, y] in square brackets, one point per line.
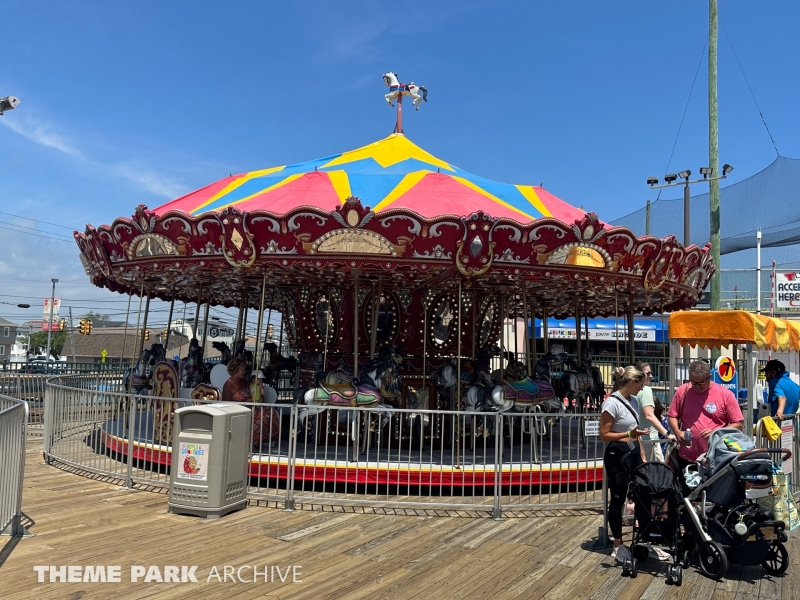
[13, 433]
[41, 367]
[420, 459]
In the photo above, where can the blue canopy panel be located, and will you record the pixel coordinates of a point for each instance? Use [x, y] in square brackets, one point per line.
[605, 330]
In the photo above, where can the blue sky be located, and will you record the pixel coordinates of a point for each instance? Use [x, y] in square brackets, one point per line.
[126, 103]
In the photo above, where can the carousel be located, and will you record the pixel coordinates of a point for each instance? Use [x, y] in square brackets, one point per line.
[405, 287]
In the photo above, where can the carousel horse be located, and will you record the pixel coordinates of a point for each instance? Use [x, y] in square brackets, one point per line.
[138, 378]
[224, 352]
[240, 351]
[165, 386]
[192, 368]
[277, 363]
[417, 92]
[582, 388]
[523, 391]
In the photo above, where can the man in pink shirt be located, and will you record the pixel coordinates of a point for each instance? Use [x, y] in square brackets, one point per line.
[701, 406]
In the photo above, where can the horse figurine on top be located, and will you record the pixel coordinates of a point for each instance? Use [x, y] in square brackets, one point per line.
[417, 92]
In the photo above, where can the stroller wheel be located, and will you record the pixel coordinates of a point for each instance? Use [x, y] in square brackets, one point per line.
[686, 559]
[634, 568]
[677, 575]
[776, 560]
[712, 559]
[626, 567]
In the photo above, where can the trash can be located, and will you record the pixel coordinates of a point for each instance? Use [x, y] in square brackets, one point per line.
[210, 450]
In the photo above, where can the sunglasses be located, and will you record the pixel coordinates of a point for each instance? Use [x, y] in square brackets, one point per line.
[698, 383]
[648, 373]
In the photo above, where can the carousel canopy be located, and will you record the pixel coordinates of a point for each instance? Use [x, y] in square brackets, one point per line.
[391, 216]
[391, 173]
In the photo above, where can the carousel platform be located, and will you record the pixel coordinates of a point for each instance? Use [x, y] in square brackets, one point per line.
[561, 458]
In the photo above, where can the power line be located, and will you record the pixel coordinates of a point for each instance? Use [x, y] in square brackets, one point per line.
[38, 235]
[763, 120]
[39, 221]
[686, 108]
[37, 230]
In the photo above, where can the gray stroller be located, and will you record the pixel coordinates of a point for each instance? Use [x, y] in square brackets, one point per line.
[721, 515]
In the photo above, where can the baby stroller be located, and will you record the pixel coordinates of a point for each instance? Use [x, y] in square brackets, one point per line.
[656, 494]
[721, 514]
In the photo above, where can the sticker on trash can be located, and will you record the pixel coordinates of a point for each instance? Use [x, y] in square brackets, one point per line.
[194, 461]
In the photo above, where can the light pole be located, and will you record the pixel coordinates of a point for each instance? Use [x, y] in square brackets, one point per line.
[671, 180]
[50, 323]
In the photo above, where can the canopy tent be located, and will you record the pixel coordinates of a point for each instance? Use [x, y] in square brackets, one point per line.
[390, 173]
[725, 327]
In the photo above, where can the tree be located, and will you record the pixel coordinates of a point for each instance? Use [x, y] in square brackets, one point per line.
[39, 340]
[96, 318]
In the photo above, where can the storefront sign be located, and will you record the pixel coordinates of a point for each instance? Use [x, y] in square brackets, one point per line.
[555, 333]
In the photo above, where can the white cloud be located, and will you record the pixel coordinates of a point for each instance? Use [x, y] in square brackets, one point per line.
[43, 134]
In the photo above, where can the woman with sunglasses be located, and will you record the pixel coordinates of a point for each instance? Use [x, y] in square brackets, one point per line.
[647, 406]
[620, 429]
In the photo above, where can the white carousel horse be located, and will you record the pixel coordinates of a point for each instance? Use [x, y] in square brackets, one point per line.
[417, 92]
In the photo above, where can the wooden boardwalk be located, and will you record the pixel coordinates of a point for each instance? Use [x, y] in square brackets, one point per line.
[340, 552]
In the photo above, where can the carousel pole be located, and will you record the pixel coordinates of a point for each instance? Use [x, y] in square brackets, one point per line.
[545, 332]
[327, 332]
[244, 319]
[458, 380]
[616, 321]
[474, 319]
[630, 329]
[205, 325]
[376, 304]
[124, 334]
[502, 333]
[239, 322]
[425, 346]
[526, 337]
[196, 328]
[135, 357]
[398, 128]
[269, 319]
[355, 326]
[144, 325]
[257, 355]
[169, 321]
[586, 329]
[516, 332]
[577, 330]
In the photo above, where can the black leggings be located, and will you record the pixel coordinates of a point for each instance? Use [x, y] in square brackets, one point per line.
[618, 462]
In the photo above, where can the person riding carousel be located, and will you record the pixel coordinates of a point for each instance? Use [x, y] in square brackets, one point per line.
[266, 422]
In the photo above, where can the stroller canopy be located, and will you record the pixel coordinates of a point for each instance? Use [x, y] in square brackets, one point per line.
[723, 447]
[653, 479]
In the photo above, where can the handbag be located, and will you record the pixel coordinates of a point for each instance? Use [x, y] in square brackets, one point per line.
[770, 428]
[782, 504]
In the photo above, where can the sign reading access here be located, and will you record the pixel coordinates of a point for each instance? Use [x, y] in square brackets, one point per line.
[787, 290]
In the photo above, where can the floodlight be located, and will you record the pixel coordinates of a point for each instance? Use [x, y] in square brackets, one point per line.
[652, 181]
[705, 171]
[8, 103]
[670, 178]
[726, 168]
[685, 174]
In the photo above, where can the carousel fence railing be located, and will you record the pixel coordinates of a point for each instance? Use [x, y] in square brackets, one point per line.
[380, 457]
[13, 434]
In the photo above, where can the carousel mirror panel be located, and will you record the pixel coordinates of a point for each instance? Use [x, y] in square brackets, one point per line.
[325, 321]
[488, 323]
[388, 319]
[442, 322]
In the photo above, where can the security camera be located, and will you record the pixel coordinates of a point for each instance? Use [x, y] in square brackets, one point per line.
[8, 103]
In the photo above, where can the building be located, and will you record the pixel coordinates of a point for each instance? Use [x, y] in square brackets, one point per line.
[8, 337]
[115, 341]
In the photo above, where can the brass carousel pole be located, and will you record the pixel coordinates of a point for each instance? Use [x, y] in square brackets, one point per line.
[327, 331]
[502, 333]
[545, 332]
[355, 326]
[205, 325]
[630, 329]
[135, 357]
[526, 337]
[376, 305]
[616, 321]
[269, 319]
[144, 325]
[239, 321]
[169, 321]
[124, 334]
[577, 330]
[244, 319]
[425, 346]
[458, 380]
[258, 352]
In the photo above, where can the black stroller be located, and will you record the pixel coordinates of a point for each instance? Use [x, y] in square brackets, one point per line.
[656, 494]
[721, 515]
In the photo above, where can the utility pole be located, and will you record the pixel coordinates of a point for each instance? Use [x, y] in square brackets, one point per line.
[713, 157]
[50, 323]
[647, 219]
[71, 335]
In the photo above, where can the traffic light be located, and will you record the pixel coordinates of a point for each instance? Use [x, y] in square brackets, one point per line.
[83, 327]
[164, 334]
[88, 327]
[62, 324]
[146, 335]
[270, 331]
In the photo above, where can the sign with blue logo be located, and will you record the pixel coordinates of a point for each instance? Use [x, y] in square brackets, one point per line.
[725, 374]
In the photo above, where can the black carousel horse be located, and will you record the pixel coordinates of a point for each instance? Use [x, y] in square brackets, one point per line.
[192, 369]
[224, 351]
[277, 363]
